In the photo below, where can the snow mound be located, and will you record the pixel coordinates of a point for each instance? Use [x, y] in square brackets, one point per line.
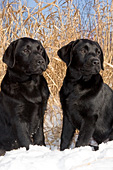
[42, 158]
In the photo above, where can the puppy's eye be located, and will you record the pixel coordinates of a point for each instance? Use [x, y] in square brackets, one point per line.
[98, 52]
[84, 51]
[38, 47]
[26, 50]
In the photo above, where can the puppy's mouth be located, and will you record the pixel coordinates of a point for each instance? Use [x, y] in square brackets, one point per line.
[88, 72]
[37, 71]
[91, 67]
[36, 68]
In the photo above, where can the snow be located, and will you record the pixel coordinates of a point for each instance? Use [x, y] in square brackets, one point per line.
[42, 158]
[50, 158]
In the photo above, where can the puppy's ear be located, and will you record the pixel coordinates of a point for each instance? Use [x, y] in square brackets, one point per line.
[9, 55]
[101, 56]
[46, 57]
[65, 52]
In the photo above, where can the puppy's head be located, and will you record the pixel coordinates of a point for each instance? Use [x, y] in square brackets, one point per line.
[83, 55]
[26, 55]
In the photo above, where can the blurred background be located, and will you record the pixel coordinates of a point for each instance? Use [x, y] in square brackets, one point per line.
[56, 23]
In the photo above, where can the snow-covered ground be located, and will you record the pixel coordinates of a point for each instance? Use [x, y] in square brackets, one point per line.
[50, 158]
[42, 158]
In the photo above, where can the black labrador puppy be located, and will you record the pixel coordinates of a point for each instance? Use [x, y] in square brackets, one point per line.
[24, 94]
[87, 102]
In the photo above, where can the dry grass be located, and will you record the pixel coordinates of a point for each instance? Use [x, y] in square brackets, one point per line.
[56, 24]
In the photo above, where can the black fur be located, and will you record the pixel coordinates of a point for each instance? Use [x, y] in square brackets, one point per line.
[87, 102]
[24, 94]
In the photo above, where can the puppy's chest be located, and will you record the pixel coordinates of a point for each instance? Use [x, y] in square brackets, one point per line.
[28, 91]
[85, 100]
[78, 93]
[79, 97]
[31, 92]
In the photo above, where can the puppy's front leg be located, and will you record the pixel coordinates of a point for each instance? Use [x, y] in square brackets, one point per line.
[22, 133]
[86, 130]
[38, 138]
[67, 133]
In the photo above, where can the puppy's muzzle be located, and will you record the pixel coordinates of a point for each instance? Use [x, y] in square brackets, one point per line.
[95, 62]
[41, 64]
[95, 65]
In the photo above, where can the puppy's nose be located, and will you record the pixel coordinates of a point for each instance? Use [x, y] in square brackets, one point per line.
[40, 62]
[95, 62]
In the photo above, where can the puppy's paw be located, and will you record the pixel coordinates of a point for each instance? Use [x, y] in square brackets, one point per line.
[2, 152]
